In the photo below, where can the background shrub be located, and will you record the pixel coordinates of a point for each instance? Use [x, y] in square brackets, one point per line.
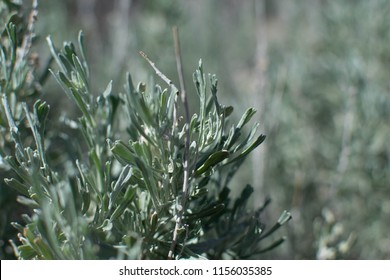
[135, 175]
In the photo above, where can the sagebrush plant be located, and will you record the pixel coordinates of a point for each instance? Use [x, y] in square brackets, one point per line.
[20, 82]
[146, 182]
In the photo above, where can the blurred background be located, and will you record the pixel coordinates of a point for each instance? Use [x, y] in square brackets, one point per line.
[318, 74]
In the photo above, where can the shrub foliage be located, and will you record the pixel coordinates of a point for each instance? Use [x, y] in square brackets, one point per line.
[135, 176]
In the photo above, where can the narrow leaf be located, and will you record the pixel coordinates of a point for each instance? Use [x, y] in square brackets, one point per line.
[211, 161]
[208, 212]
[18, 186]
[246, 117]
[108, 90]
[83, 54]
[127, 199]
[123, 153]
[54, 53]
[285, 217]
[123, 179]
[80, 70]
[249, 149]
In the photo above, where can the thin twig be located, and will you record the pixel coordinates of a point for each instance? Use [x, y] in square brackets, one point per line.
[27, 40]
[186, 167]
[13, 127]
[158, 72]
[180, 72]
[168, 82]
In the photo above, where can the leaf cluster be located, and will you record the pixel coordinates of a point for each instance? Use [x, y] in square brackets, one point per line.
[125, 194]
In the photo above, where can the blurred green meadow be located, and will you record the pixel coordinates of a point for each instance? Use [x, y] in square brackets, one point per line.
[318, 74]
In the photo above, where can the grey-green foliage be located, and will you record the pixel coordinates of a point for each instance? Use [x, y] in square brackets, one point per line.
[123, 196]
[328, 80]
[19, 81]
